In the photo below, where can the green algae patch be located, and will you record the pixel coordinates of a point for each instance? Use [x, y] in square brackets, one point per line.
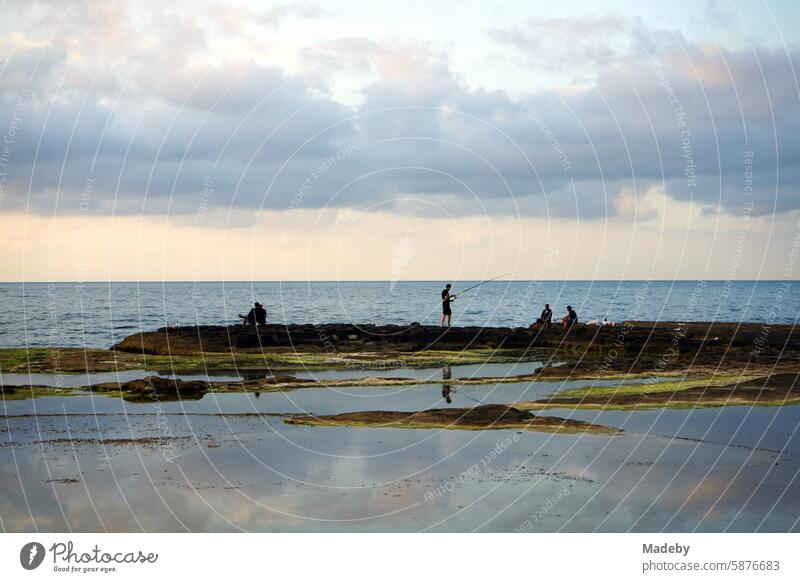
[77, 360]
[655, 386]
[367, 360]
[486, 417]
[16, 359]
[26, 392]
[775, 390]
[73, 360]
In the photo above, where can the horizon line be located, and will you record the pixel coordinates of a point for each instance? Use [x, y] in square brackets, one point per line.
[94, 281]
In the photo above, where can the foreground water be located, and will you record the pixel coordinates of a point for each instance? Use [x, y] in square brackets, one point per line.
[224, 468]
[100, 314]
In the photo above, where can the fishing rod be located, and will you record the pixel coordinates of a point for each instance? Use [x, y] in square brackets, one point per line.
[482, 283]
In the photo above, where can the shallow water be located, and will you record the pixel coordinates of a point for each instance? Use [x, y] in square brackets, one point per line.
[422, 374]
[676, 470]
[453, 372]
[331, 400]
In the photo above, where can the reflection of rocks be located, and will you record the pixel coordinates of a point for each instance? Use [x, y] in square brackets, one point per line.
[489, 416]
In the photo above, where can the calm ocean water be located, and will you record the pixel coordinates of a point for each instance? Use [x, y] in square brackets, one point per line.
[100, 314]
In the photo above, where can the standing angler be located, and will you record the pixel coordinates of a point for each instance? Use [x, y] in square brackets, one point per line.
[446, 299]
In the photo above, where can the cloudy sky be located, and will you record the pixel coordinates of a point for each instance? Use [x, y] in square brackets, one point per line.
[385, 140]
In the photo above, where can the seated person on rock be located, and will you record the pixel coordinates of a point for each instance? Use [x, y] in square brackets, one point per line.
[570, 319]
[545, 319]
[256, 316]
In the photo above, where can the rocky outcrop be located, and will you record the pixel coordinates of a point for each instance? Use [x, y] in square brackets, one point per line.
[343, 338]
[334, 337]
[485, 417]
[154, 388]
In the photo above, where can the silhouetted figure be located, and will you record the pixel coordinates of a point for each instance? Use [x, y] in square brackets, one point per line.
[546, 318]
[261, 315]
[447, 313]
[446, 388]
[256, 316]
[570, 319]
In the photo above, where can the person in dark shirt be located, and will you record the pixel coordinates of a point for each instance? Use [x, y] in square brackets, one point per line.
[256, 316]
[570, 319]
[447, 313]
[261, 314]
[248, 319]
[546, 318]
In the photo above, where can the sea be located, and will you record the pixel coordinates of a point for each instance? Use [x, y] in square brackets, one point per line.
[99, 314]
[86, 462]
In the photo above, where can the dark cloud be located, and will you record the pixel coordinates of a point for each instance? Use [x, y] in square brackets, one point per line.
[146, 133]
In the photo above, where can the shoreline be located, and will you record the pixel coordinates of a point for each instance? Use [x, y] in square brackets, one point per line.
[701, 363]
